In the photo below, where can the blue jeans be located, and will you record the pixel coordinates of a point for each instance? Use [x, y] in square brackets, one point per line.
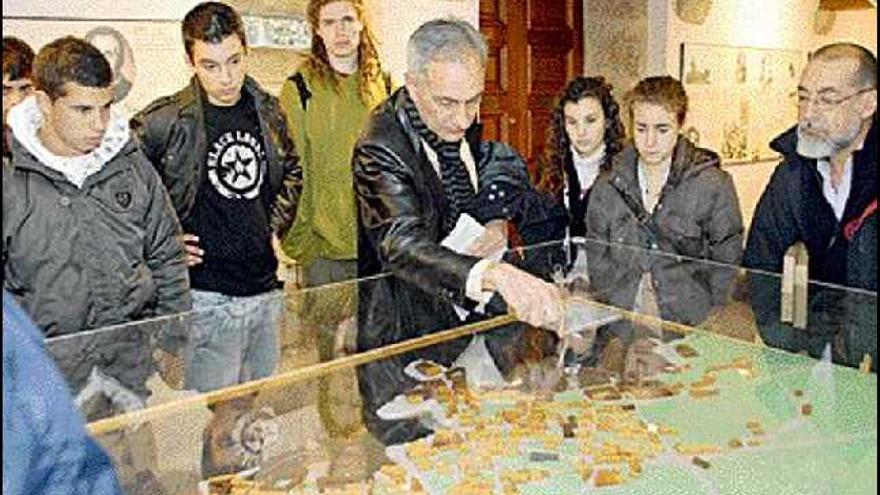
[234, 339]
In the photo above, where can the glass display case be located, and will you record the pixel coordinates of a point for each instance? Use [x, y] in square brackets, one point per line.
[660, 380]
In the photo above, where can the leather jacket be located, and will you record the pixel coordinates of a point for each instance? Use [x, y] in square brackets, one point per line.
[400, 204]
[171, 131]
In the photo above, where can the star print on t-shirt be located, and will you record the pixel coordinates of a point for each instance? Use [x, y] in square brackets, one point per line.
[236, 165]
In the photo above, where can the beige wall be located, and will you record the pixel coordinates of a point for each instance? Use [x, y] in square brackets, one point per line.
[160, 66]
[750, 181]
[758, 23]
[153, 30]
[858, 26]
[784, 24]
[395, 20]
[615, 38]
[768, 24]
[93, 9]
[765, 24]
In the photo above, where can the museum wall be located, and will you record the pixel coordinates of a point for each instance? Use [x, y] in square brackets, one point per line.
[98, 9]
[769, 24]
[153, 36]
[788, 24]
[858, 26]
[395, 20]
[784, 27]
[615, 41]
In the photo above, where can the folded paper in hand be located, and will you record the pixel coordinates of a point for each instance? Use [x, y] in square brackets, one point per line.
[466, 232]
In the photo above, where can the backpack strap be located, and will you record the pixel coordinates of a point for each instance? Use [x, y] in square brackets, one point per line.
[302, 88]
[386, 78]
[645, 219]
[853, 226]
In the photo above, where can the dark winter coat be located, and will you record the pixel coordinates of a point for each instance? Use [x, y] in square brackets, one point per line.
[696, 226]
[860, 335]
[105, 254]
[793, 209]
[81, 259]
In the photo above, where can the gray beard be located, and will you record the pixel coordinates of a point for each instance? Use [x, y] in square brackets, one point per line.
[818, 148]
[813, 147]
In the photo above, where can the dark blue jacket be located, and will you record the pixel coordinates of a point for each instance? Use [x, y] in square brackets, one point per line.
[793, 209]
[46, 450]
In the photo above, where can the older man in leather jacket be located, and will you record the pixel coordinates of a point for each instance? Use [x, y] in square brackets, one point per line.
[419, 166]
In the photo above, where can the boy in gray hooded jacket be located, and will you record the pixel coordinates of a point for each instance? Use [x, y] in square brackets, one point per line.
[90, 238]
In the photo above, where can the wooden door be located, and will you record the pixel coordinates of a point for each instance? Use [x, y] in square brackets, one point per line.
[535, 48]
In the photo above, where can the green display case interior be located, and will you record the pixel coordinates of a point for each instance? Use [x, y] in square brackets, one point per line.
[685, 400]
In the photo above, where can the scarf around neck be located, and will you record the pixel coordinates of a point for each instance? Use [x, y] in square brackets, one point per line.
[457, 188]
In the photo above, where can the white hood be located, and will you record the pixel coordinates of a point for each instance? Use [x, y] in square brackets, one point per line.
[25, 120]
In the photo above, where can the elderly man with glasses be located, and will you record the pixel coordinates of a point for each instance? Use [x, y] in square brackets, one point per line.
[824, 194]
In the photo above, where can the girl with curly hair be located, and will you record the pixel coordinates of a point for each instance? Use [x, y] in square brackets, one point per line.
[585, 133]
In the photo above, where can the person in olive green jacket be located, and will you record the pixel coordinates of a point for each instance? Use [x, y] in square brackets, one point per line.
[327, 100]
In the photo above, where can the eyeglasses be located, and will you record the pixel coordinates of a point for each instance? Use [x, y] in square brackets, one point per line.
[826, 101]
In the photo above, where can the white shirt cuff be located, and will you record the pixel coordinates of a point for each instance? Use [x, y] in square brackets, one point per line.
[474, 286]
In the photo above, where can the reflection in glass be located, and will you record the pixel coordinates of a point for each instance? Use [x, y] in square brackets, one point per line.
[436, 415]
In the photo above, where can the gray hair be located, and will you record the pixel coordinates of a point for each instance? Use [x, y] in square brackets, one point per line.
[444, 40]
[866, 70]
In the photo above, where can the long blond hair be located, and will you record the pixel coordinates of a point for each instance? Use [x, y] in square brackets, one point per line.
[368, 55]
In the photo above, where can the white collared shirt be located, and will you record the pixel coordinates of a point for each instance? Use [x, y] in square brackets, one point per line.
[587, 169]
[466, 157]
[649, 190]
[836, 197]
[474, 283]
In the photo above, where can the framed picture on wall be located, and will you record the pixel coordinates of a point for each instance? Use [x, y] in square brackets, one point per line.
[740, 97]
[290, 32]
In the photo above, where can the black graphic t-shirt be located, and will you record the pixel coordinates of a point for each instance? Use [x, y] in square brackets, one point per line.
[230, 216]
